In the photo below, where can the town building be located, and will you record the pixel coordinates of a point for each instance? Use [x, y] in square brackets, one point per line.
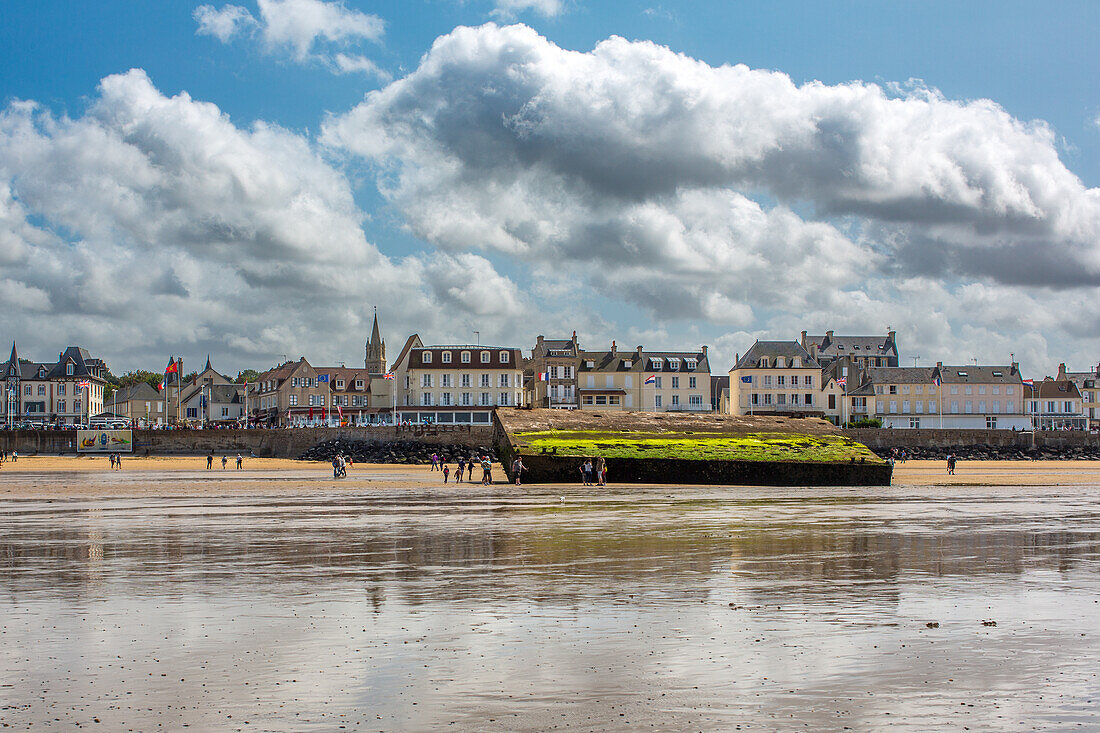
[864, 351]
[50, 392]
[456, 384]
[977, 397]
[1088, 383]
[551, 373]
[212, 398]
[901, 397]
[678, 381]
[1055, 404]
[776, 378]
[139, 403]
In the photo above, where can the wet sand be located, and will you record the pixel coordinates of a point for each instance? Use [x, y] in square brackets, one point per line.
[539, 609]
[61, 477]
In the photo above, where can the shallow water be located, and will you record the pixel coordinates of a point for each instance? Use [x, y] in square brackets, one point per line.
[467, 609]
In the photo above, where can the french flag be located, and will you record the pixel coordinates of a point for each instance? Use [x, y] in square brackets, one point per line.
[651, 379]
[544, 377]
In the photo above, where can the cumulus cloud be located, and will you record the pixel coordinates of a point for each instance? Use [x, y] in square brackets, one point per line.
[153, 224]
[307, 31]
[662, 181]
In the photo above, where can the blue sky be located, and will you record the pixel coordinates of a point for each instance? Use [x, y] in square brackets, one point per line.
[531, 267]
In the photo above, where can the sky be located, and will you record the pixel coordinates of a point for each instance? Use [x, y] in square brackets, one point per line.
[250, 179]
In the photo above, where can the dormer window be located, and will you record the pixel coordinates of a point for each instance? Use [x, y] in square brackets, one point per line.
[674, 364]
[465, 357]
[339, 384]
[656, 364]
[41, 373]
[69, 369]
[445, 357]
[590, 364]
[690, 363]
[504, 357]
[627, 364]
[998, 374]
[961, 374]
[359, 384]
[485, 357]
[796, 362]
[427, 358]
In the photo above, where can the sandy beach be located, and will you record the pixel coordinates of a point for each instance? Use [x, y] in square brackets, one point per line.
[71, 476]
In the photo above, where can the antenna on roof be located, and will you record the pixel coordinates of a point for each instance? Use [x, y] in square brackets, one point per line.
[915, 360]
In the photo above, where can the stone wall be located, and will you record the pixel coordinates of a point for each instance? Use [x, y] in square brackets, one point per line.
[266, 443]
[938, 439]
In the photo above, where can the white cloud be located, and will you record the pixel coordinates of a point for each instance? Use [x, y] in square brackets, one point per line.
[507, 9]
[655, 179]
[225, 23]
[160, 226]
[307, 31]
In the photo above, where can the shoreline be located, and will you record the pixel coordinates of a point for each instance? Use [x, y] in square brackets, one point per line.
[66, 477]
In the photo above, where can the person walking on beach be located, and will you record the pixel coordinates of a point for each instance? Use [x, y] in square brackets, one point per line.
[209, 460]
[446, 472]
[601, 471]
[461, 468]
[239, 461]
[225, 460]
[336, 466]
[111, 456]
[435, 461]
[486, 470]
[951, 464]
[470, 470]
[517, 469]
[588, 472]
[118, 461]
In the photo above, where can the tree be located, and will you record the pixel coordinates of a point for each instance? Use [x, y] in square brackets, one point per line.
[248, 375]
[137, 376]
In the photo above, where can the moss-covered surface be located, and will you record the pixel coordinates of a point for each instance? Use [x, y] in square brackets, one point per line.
[764, 447]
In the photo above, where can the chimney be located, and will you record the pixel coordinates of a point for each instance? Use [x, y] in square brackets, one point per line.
[539, 340]
[638, 353]
[704, 349]
[804, 339]
[828, 335]
[1062, 372]
[890, 335]
[939, 365]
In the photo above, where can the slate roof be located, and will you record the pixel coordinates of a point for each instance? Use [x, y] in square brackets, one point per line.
[840, 345]
[220, 394]
[140, 391]
[679, 363]
[900, 375]
[416, 357]
[1052, 389]
[763, 354]
[968, 374]
[608, 361]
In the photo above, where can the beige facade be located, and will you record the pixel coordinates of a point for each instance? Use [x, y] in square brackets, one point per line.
[138, 403]
[1088, 383]
[551, 373]
[50, 393]
[1055, 404]
[639, 380]
[777, 377]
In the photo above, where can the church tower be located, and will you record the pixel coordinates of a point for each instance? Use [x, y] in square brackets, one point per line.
[376, 350]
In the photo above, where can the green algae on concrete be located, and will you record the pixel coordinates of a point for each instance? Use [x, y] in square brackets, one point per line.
[763, 447]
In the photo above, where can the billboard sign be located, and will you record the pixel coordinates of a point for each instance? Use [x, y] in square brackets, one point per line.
[104, 441]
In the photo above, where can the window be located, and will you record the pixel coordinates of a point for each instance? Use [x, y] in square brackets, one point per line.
[954, 389]
[905, 406]
[969, 407]
[339, 384]
[914, 422]
[485, 380]
[586, 400]
[504, 357]
[628, 381]
[61, 388]
[657, 401]
[76, 406]
[445, 357]
[674, 364]
[893, 405]
[464, 380]
[696, 400]
[407, 381]
[905, 389]
[609, 381]
[996, 405]
[27, 390]
[426, 399]
[293, 400]
[767, 380]
[61, 406]
[425, 380]
[767, 398]
[991, 422]
[485, 398]
[613, 399]
[969, 389]
[691, 363]
[691, 382]
[567, 372]
[426, 357]
[465, 357]
[503, 398]
[1008, 389]
[657, 384]
[69, 369]
[675, 383]
[41, 390]
[466, 401]
[503, 380]
[809, 400]
[675, 400]
[1010, 406]
[445, 399]
[485, 357]
[657, 363]
[919, 406]
[1050, 407]
[781, 399]
[955, 406]
[832, 402]
[1067, 407]
[981, 389]
[755, 398]
[554, 372]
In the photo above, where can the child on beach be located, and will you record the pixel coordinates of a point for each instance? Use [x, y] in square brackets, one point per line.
[446, 472]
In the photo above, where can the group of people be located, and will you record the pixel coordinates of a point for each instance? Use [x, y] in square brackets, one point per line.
[464, 466]
[225, 461]
[13, 457]
[594, 475]
[951, 463]
[116, 461]
[340, 466]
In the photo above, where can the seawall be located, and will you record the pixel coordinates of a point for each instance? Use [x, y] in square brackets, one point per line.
[878, 438]
[266, 443]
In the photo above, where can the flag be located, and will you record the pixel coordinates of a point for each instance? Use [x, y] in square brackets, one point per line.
[651, 379]
[341, 411]
[746, 380]
[543, 377]
[84, 384]
[936, 381]
[387, 375]
[311, 412]
[1028, 381]
[322, 413]
[172, 368]
[322, 378]
[160, 386]
[842, 382]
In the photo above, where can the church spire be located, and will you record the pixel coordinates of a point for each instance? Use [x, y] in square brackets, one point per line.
[207, 367]
[13, 362]
[375, 361]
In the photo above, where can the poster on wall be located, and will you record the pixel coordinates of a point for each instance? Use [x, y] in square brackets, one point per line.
[104, 441]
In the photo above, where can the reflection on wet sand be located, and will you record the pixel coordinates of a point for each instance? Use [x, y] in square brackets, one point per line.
[506, 609]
